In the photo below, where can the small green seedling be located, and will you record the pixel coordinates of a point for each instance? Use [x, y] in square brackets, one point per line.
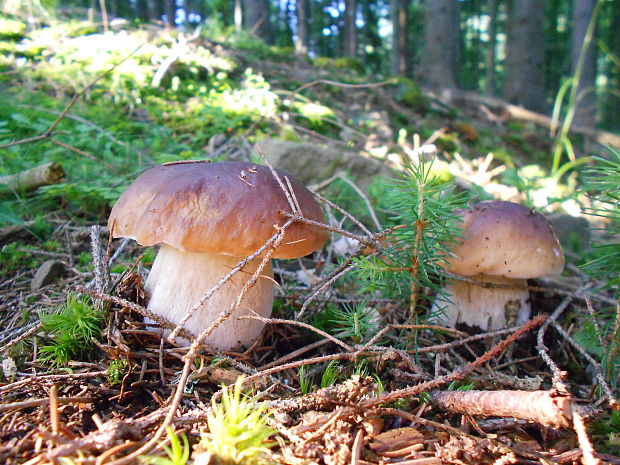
[238, 429]
[71, 330]
[177, 454]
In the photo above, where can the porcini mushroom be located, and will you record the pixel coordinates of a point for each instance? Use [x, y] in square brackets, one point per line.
[208, 217]
[502, 245]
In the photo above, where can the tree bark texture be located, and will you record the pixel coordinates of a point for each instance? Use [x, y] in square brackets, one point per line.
[585, 113]
[525, 44]
[490, 59]
[256, 18]
[301, 41]
[440, 55]
[350, 29]
[543, 407]
[400, 21]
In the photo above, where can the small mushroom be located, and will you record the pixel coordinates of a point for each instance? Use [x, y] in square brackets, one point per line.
[502, 245]
[208, 217]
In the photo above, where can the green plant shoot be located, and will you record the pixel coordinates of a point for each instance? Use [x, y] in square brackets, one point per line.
[238, 429]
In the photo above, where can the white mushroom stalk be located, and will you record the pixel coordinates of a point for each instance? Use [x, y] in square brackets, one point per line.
[208, 217]
[484, 305]
[501, 246]
[201, 272]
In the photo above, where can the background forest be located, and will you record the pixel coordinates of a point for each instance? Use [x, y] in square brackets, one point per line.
[396, 113]
[523, 51]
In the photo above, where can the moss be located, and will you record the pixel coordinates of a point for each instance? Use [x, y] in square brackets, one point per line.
[409, 93]
[349, 63]
[11, 29]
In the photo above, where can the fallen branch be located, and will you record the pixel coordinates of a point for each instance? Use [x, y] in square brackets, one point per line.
[458, 374]
[547, 408]
[33, 178]
[44, 401]
[516, 112]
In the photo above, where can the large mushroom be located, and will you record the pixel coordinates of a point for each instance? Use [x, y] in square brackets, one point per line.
[207, 218]
[502, 245]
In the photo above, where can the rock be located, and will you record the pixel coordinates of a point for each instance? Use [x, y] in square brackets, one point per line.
[47, 272]
[312, 163]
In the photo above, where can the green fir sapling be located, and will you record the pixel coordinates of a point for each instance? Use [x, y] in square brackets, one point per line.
[425, 224]
[603, 180]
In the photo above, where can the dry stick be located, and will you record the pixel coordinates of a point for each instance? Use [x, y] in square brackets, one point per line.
[28, 332]
[102, 278]
[544, 407]
[356, 448]
[163, 322]
[79, 119]
[583, 439]
[335, 340]
[271, 368]
[191, 353]
[21, 382]
[105, 436]
[343, 84]
[294, 354]
[299, 363]
[344, 212]
[33, 178]
[85, 154]
[50, 131]
[364, 197]
[290, 189]
[362, 239]
[598, 370]
[284, 189]
[457, 374]
[508, 458]
[45, 401]
[450, 429]
[54, 418]
[389, 327]
[558, 375]
[341, 271]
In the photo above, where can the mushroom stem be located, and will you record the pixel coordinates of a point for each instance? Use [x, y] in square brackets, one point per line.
[489, 308]
[178, 280]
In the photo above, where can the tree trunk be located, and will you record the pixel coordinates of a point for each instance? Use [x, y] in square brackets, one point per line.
[440, 54]
[585, 112]
[171, 12]
[399, 64]
[238, 16]
[490, 61]
[611, 100]
[350, 33]
[301, 41]
[256, 18]
[143, 10]
[524, 82]
[159, 9]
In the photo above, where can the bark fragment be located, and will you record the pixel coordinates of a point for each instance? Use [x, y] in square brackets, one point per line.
[547, 408]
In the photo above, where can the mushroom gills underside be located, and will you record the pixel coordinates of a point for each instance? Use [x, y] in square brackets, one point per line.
[488, 308]
[178, 280]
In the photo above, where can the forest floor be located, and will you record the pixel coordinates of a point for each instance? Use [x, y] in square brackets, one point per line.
[399, 390]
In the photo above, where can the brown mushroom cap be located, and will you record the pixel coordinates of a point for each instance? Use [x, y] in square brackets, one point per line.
[505, 239]
[224, 207]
